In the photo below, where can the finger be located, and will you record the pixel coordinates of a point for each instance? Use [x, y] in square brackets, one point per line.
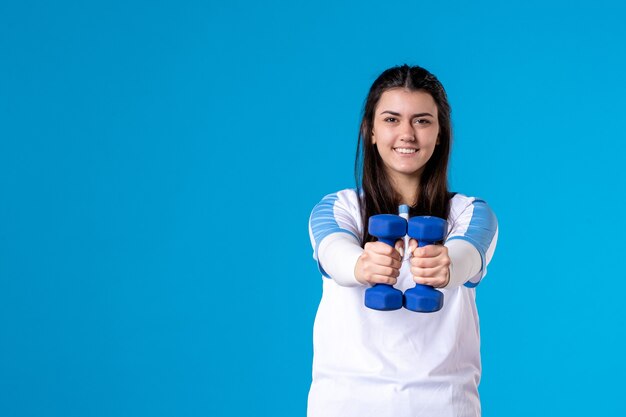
[428, 272]
[439, 261]
[430, 251]
[389, 271]
[433, 282]
[383, 279]
[426, 262]
[384, 249]
[385, 261]
[400, 247]
[381, 265]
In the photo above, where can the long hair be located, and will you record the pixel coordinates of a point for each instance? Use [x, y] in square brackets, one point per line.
[377, 195]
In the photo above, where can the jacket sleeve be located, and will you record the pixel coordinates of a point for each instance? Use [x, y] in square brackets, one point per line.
[477, 225]
[335, 236]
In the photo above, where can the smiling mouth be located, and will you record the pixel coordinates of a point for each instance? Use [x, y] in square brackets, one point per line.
[405, 151]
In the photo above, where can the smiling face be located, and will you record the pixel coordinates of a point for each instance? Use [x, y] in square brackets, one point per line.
[405, 131]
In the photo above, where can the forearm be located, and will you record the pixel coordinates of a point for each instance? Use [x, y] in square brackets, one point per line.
[465, 262]
[338, 254]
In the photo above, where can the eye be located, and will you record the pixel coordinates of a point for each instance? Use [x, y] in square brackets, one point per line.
[390, 119]
[421, 121]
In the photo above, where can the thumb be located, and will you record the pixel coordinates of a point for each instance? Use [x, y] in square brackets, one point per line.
[412, 246]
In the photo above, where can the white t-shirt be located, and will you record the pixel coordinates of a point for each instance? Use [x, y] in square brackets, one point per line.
[397, 363]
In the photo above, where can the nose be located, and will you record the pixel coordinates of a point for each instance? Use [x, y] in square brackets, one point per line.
[407, 134]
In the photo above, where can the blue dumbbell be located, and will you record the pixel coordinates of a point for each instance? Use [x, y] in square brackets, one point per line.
[426, 230]
[387, 228]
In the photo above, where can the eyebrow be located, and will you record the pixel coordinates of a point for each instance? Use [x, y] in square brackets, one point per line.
[393, 113]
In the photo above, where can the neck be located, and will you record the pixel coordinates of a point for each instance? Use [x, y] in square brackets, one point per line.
[407, 188]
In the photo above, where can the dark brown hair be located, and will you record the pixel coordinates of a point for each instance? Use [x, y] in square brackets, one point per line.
[373, 184]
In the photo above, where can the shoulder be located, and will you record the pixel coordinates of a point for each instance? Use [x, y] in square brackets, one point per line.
[461, 202]
[467, 212]
[457, 198]
[336, 212]
[346, 199]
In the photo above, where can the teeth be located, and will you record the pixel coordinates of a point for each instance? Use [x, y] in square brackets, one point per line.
[406, 150]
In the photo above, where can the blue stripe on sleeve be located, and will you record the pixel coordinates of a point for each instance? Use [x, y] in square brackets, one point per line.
[480, 232]
[323, 223]
[471, 284]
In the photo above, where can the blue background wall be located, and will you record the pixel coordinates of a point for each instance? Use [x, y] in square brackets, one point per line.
[159, 161]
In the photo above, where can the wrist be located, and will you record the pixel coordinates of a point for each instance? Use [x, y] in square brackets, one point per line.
[357, 275]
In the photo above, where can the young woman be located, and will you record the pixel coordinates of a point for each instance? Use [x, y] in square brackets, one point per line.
[399, 363]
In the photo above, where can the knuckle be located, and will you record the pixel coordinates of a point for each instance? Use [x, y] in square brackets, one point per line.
[388, 250]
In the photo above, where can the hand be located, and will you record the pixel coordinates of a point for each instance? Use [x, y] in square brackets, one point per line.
[379, 263]
[430, 265]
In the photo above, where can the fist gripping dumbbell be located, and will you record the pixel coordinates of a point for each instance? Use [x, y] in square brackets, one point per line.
[387, 228]
[426, 230]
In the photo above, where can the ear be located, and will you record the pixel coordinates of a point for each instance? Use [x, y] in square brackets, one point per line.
[373, 138]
